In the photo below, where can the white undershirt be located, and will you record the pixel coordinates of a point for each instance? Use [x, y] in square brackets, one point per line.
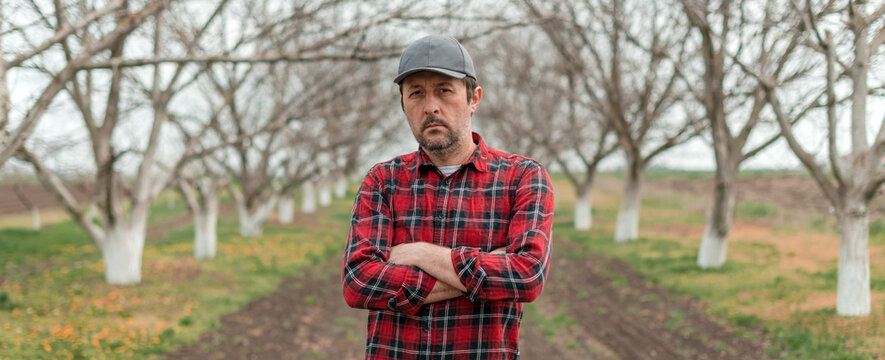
[448, 170]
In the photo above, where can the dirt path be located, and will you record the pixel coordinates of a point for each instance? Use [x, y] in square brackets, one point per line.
[582, 314]
[620, 314]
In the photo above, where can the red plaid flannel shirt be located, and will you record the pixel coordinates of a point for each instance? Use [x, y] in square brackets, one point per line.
[495, 199]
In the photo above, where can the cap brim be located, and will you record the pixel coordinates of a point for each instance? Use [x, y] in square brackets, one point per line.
[447, 72]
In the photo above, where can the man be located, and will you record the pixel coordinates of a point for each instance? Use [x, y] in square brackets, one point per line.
[447, 242]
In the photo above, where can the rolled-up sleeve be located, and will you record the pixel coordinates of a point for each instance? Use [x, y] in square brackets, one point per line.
[369, 281]
[519, 274]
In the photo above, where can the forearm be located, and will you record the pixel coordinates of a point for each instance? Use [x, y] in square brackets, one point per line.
[516, 277]
[438, 263]
[382, 286]
[441, 292]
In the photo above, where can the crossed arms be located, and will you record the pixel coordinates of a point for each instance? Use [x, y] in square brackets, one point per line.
[436, 261]
[404, 277]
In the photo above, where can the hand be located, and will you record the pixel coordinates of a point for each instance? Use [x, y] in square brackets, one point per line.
[407, 254]
[500, 250]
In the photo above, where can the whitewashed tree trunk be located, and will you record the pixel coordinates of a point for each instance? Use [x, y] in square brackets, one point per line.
[325, 194]
[252, 220]
[250, 226]
[341, 187]
[853, 292]
[714, 245]
[122, 250]
[286, 211]
[583, 210]
[202, 201]
[627, 228]
[308, 198]
[205, 227]
[35, 211]
[35, 218]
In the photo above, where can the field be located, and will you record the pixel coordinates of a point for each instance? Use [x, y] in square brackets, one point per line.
[280, 293]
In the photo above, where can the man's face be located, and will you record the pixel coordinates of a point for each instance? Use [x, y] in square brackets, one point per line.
[437, 110]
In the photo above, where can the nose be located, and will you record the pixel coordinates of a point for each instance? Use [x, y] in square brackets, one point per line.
[431, 105]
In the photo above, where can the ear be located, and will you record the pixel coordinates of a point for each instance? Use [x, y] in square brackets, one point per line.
[477, 97]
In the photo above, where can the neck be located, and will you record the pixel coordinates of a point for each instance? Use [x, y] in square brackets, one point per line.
[452, 157]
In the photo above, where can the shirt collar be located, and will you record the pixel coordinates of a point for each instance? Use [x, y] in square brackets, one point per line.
[478, 159]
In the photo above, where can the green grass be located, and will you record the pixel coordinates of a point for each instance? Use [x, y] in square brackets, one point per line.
[54, 302]
[755, 210]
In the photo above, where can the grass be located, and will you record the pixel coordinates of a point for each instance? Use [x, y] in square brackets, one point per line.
[55, 304]
[755, 210]
[754, 288]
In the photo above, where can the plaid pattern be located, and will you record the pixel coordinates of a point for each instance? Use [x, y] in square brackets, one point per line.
[496, 199]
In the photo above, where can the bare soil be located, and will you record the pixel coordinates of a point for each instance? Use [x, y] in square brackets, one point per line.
[796, 192]
[37, 196]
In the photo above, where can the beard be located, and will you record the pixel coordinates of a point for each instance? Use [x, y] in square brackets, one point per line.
[437, 144]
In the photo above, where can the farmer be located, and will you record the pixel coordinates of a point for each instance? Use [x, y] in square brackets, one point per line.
[447, 242]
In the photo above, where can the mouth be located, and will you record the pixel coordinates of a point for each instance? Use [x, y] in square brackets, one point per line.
[434, 127]
[433, 123]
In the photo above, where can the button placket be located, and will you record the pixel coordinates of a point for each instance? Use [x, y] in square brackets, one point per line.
[439, 213]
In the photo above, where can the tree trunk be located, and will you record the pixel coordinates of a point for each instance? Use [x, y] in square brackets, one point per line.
[308, 198]
[286, 211]
[35, 211]
[252, 219]
[122, 250]
[341, 187]
[714, 245]
[205, 225]
[250, 225]
[583, 210]
[35, 218]
[628, 216]
[325, 196]
[853, 293]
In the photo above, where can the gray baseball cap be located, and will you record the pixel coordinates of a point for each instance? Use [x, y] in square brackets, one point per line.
[442, 54]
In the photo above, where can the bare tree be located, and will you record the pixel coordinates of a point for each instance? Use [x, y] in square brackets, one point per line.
[268, 164]
[536, 108]
[200, 188]
[734, 101]
[24, 45]
[628, 72]
[123, 205]
[849, 37]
